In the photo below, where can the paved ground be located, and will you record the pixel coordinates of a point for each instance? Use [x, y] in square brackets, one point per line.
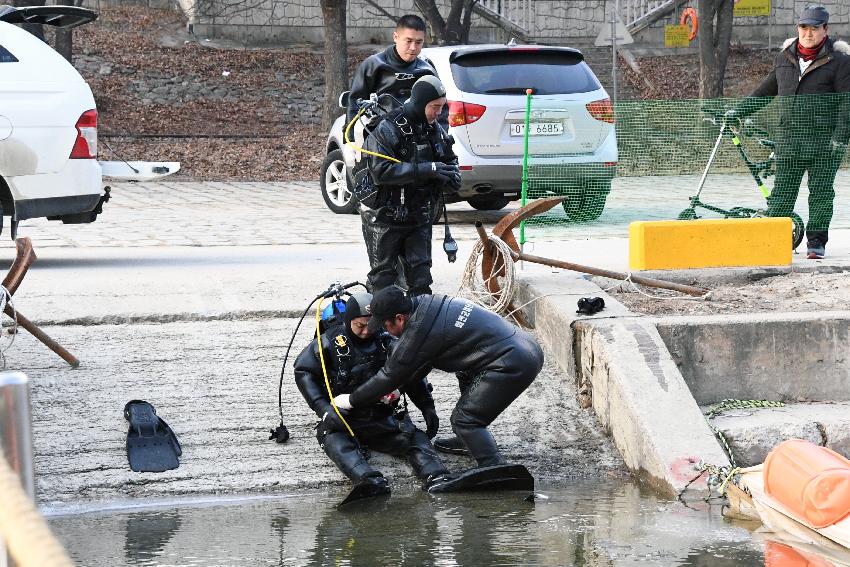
[246, 214]
[184, 294]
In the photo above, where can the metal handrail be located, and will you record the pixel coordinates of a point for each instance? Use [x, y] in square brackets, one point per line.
[23, 530]
[16, 427]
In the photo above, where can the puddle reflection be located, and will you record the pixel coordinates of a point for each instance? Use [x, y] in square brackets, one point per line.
[581, 524]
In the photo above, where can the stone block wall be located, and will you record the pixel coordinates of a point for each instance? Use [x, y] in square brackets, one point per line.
[575, 22]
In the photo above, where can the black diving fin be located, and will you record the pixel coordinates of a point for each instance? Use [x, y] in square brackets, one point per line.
[495, 478]
[151, 445]
[369, 487]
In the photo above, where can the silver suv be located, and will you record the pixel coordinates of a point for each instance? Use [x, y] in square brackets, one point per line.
[572, 141]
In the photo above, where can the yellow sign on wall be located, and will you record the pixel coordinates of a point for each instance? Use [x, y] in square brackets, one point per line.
[745, 8]
[676, 36]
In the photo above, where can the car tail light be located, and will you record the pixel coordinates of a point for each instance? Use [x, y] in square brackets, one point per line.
[601, 110]
[85, 146]
[463, 113]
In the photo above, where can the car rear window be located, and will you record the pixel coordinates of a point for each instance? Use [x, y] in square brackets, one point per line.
[6, 57]
[512, 71]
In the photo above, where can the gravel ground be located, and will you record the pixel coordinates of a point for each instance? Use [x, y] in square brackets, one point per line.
[794, 292]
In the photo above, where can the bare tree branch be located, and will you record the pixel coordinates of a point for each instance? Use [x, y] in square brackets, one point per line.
[381, 11]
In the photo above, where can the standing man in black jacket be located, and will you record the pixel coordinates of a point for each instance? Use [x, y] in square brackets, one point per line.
[814, 129]
[393, 71]
[352, 354]
[495, 360]
[411, 163]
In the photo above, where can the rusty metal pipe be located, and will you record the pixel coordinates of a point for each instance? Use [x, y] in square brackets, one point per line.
[650, 282]
[482, 234]
[35, 331]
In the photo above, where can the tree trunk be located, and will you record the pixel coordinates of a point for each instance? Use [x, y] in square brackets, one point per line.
[715, 35]
[435, 19]
[467, 21]
[452, 30]
[63, 44]
[336, 59]
[64, 38]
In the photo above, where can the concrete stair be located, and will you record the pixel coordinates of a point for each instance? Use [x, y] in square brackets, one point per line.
[752, 433]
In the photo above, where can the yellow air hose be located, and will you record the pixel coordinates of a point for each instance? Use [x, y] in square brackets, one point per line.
[358, 148]
[325, 369]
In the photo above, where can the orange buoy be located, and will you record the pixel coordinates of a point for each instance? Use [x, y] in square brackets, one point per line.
[689, 18]
[812, 481]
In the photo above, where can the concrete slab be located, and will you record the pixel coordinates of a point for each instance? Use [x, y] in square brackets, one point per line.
[774, 356]
[752, 433]
[637, 392]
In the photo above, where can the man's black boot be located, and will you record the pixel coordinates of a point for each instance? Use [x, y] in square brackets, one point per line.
[452, 445]
[481, 446]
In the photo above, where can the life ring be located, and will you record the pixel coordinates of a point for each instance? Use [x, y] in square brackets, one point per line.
[689, 18]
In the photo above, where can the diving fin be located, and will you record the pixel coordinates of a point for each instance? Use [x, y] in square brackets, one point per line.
[151, 445]
[369, 487]
[495, 478]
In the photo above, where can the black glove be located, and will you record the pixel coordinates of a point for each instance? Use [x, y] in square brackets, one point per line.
[331, 422]
[445, 173]
[432, 422]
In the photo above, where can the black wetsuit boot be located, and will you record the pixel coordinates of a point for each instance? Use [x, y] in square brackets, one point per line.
[481, 445]
[424, 460]
[346, 455]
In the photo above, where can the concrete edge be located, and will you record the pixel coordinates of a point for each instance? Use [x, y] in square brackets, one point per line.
[637, 392]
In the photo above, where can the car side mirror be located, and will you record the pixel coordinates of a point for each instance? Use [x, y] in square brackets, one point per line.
[343, 99]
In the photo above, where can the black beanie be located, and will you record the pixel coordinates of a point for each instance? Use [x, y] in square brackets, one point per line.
[424, 90]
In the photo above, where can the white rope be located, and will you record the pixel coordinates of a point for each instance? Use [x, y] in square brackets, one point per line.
[6, 297]
[473, 284]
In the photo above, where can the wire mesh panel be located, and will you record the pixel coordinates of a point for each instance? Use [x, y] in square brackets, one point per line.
[732, 158]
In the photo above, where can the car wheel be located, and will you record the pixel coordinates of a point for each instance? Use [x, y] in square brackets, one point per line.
[336, 187]
[489, 202]
[586, 205]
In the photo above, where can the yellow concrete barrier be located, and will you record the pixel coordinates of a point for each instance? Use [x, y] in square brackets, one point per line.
[703, 243]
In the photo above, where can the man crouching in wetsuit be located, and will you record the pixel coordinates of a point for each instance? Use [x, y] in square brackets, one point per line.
[495, 361]
[353, 354]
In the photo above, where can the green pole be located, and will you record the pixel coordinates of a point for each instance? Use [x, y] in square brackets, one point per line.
[524, 191]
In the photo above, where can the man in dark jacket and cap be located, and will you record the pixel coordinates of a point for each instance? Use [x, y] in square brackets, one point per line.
[812, 79]
[410, 165]
[352, 353]
[495, 360]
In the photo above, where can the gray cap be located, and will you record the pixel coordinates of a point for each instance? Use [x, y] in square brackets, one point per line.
[813, 15]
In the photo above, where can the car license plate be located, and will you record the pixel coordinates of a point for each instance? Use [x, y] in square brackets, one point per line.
[538, 129]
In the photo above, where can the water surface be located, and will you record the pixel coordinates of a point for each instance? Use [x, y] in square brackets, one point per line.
[581, 524]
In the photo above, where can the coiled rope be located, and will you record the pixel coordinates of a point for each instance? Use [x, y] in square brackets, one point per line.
[6, 297]
[474, 286]
[25, 531]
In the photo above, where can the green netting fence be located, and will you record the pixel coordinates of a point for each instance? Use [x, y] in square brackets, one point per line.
[768, 149]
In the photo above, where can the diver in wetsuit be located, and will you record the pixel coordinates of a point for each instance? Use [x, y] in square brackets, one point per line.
[353, 354]
[495, 360]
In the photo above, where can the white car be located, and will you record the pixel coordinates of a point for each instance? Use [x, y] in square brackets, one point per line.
[572, 139]
[48, 127]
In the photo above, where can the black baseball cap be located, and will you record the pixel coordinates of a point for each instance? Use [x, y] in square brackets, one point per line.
[813, 16]
[386, 304]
